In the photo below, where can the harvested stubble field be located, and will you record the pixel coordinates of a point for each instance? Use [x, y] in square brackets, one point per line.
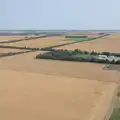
[105, 44]
[5, 38]
[29, 96]
[28, 63]
[41, 42]
[49, 90]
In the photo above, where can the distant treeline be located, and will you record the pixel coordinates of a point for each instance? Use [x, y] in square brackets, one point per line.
[15, 34]
[75, 36]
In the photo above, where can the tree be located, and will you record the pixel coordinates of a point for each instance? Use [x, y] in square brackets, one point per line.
[106, 53]
[94, 53]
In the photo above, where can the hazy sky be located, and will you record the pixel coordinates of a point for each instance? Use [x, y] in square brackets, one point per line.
[59, 14]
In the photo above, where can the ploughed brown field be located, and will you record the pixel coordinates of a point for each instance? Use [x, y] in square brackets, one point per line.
[32, 89]
[105, 44]
[41, 42]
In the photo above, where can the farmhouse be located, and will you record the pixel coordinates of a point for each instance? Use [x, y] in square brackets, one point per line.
[110, 58]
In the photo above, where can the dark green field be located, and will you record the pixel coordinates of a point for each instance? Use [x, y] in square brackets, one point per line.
[116, 114]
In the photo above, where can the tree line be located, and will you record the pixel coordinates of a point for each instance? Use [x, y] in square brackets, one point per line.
[78, 55]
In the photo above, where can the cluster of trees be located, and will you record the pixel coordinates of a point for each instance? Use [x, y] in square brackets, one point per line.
[82, 52]
[76, 55]
[75, 36]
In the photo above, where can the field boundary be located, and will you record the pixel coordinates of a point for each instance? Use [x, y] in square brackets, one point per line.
[112, 105]
[18, 40]
[20, 47]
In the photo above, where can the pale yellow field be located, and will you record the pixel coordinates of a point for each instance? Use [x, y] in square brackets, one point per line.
[6, 50]
[41, 42]
[4, 38]
[32, 89]
[29, 96]
[106, 44]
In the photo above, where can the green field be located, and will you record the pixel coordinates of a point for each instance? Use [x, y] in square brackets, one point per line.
[116, 114]
[84, 56]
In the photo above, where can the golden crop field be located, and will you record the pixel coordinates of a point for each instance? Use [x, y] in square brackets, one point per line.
[56, 90]
[105, 44]
[4, 38]
[6, 50]
[28, 63]
[41, 42]
[28, 96]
